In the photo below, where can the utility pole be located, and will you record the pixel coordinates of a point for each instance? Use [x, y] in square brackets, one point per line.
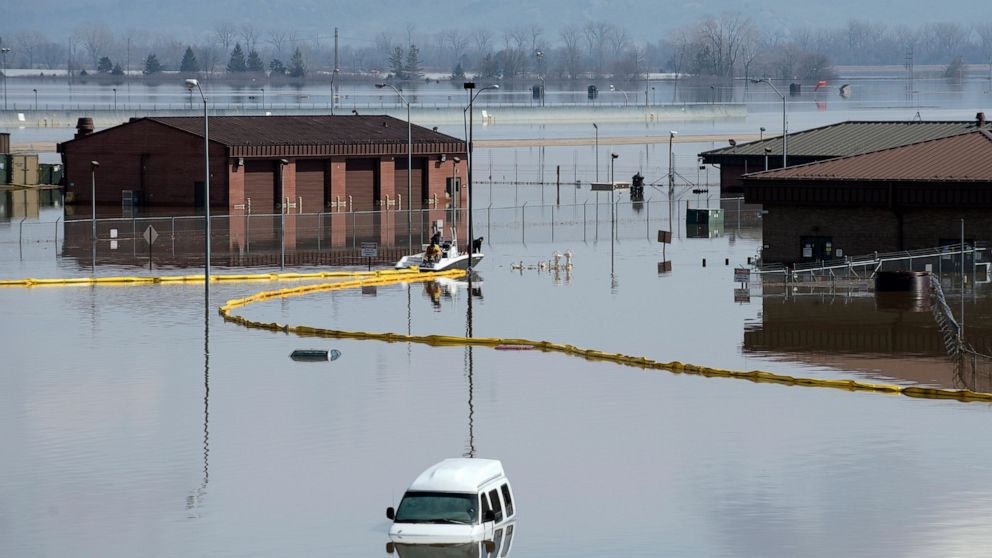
[336, 50]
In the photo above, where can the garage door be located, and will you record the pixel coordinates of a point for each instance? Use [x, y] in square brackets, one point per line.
[260, 185]
[360, 183]
[419, 192]
[310, 184]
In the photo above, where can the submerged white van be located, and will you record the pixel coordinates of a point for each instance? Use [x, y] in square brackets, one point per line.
[456, 501]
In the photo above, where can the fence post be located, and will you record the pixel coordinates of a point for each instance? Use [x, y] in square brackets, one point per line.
[552, 223]
[584, 220]
[523, 222]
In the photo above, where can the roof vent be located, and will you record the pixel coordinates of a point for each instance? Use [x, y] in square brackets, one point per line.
[980, 117]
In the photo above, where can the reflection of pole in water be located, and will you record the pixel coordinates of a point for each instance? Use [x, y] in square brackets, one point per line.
[194, 499]
[469, 372]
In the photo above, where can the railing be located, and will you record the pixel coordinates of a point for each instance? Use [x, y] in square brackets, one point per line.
[865, 266]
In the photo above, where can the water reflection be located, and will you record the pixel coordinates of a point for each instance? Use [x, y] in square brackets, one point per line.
[469, 369]
[861, 331]
[195, 499]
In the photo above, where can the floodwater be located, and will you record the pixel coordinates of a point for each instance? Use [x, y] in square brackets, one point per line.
[136, 422]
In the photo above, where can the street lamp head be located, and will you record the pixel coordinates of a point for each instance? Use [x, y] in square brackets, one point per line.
[457, 160]
[594, 125]
[192, 84]
[673, 133]
[469, 85]
[757, 80]
[762, 128]
[94, 165]
[283, 161]
[733, 142]
[380, 85]
[495, 86]
[615, 155]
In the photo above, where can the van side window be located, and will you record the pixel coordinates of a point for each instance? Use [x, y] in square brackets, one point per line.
[485, 506]
[507, 500]
[494, 499]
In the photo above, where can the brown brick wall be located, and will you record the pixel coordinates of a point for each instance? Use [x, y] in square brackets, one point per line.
[173, 163]
[859, 231]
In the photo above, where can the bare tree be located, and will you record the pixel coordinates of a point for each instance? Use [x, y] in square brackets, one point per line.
[224, 34]
[596, 34]
[249, 35]
[96, 40]
[483, 41]
[278, 41]
[984, 31]
[571, 54]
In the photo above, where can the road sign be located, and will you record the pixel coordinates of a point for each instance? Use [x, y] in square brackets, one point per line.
[665, 237]
[742, 275]
[150, 235]
[742, 295]
[370, 249]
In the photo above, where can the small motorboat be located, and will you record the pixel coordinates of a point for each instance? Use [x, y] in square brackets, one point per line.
[442, 255]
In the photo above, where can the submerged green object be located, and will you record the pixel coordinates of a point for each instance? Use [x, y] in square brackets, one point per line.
[313, 355]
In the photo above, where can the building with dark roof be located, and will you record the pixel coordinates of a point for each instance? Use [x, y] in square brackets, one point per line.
[827, 142]
[900, 198]
[340, 163]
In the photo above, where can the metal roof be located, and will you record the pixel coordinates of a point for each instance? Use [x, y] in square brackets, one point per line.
[848, 138]
[236, 131]
[458, 475]
[964, 157]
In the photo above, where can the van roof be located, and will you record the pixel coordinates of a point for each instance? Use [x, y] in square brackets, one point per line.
[458, 475]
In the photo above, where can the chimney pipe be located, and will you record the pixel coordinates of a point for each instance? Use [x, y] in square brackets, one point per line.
[84, 127]
[981, 119]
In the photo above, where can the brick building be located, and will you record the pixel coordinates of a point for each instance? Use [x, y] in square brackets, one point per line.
[901, 198]
[827, 142]
[337, 163]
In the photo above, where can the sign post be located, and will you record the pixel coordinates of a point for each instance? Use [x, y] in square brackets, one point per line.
[150, 235]
[370, 250]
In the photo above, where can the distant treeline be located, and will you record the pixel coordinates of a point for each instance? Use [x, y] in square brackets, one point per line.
[722, 47]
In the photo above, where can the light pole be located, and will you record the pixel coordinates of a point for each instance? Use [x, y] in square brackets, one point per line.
[540, 68]
[262, 89]
[767, 151]
[3, 55]
[409, 164]
[35, 99]
[785, 130]
[596, 127]
[282, 213]
[613, 222]
[334, 74]
[469, 86]
[761, 134]
[190, 84]
[115, 99]
[93, 167]
[671, 176]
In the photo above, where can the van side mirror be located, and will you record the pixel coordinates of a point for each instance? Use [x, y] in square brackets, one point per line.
[390, 513]
[490, 546]
[490, 515]
[390, 548]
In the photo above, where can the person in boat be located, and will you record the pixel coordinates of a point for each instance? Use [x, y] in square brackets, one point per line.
[434, 249]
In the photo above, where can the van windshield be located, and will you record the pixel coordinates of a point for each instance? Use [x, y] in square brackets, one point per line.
[438, 507]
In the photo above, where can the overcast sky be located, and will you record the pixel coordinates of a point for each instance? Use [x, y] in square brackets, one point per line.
[361, 21]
